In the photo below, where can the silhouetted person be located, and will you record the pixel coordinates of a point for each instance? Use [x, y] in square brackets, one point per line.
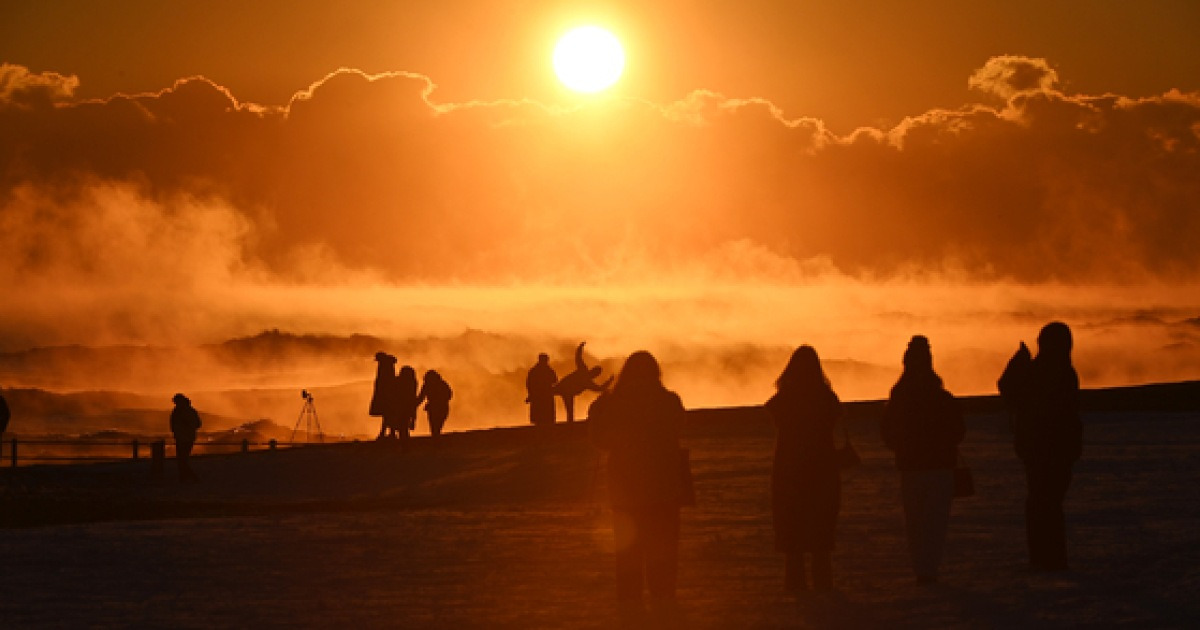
[5, 415]
[539, 389]
[384, 401]
[638, 425]
[575, 383]
[923, 424]
[435, 393]
[406, 402]
[1042, 395]
[185, 422]
[805, 481]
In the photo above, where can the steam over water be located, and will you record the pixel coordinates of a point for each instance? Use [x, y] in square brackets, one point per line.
[721, 343]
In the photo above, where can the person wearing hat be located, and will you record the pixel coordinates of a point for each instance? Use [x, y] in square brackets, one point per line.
[923, 424]
[184, 424]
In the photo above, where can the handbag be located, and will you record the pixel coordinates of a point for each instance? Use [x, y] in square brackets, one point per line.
[964, 481]
[847, 457]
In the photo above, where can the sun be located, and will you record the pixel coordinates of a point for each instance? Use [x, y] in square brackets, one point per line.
[588, 59]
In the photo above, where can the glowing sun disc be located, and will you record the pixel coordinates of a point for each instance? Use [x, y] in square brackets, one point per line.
[588, 59]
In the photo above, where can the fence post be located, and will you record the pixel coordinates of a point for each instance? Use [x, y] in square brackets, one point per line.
[14, 453]
[135, 449]
[158, 455]
[245, 445]
[272, 444]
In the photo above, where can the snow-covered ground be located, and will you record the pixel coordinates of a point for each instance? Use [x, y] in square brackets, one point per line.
[495, 530]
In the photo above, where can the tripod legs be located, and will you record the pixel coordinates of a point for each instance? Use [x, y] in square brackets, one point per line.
[308, 415]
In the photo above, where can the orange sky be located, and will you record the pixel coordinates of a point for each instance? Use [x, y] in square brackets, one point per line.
[159, 156]
[848, 63]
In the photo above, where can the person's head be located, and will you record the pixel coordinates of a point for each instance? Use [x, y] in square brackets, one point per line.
[640, 373]
[543, 358]
[804, 368]
[384, 358]
[432, 375]
[408, 372]
[1055, 341]
[918, 357]
[180, 399]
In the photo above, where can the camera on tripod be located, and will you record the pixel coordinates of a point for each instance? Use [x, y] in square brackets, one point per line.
[308, 417]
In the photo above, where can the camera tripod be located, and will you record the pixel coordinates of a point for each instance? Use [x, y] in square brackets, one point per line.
[308, 415]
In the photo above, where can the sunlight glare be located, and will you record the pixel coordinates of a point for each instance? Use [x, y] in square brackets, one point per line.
[588, 59]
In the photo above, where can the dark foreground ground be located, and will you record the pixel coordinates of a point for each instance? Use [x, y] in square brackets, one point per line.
[495, 530]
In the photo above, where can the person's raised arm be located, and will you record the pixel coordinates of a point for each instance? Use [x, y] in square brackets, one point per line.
[579, 364]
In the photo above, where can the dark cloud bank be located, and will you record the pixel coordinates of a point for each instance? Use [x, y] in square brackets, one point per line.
[373, 173]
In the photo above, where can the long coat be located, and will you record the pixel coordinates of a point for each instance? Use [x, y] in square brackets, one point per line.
[384, 401]
[1043, 400]
[923, 424]
[539, 385]
[405, 399]
[806, 485]
[640, 433]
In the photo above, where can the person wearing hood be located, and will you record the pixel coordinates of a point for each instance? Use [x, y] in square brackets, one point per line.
[923, 425]
[1042, 396]
[384, 399]
[539, 390]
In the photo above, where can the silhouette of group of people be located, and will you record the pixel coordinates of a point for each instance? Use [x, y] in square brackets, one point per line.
[396, 398]
[638, 425]
[542, 385]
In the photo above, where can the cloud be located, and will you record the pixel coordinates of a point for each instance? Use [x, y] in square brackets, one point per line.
[21, 88]
[1007, 75]
[372, 172]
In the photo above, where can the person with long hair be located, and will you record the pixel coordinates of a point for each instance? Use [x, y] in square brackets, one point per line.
[923, 425]
[1042, 395]
[805, 479]
[638, 426]
[406, 402]
[435, 393]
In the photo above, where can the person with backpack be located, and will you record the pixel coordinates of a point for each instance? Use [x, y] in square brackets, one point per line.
[1042, 396]
[185, 422]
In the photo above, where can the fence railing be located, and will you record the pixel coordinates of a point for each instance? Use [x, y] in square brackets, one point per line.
[25, 450]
